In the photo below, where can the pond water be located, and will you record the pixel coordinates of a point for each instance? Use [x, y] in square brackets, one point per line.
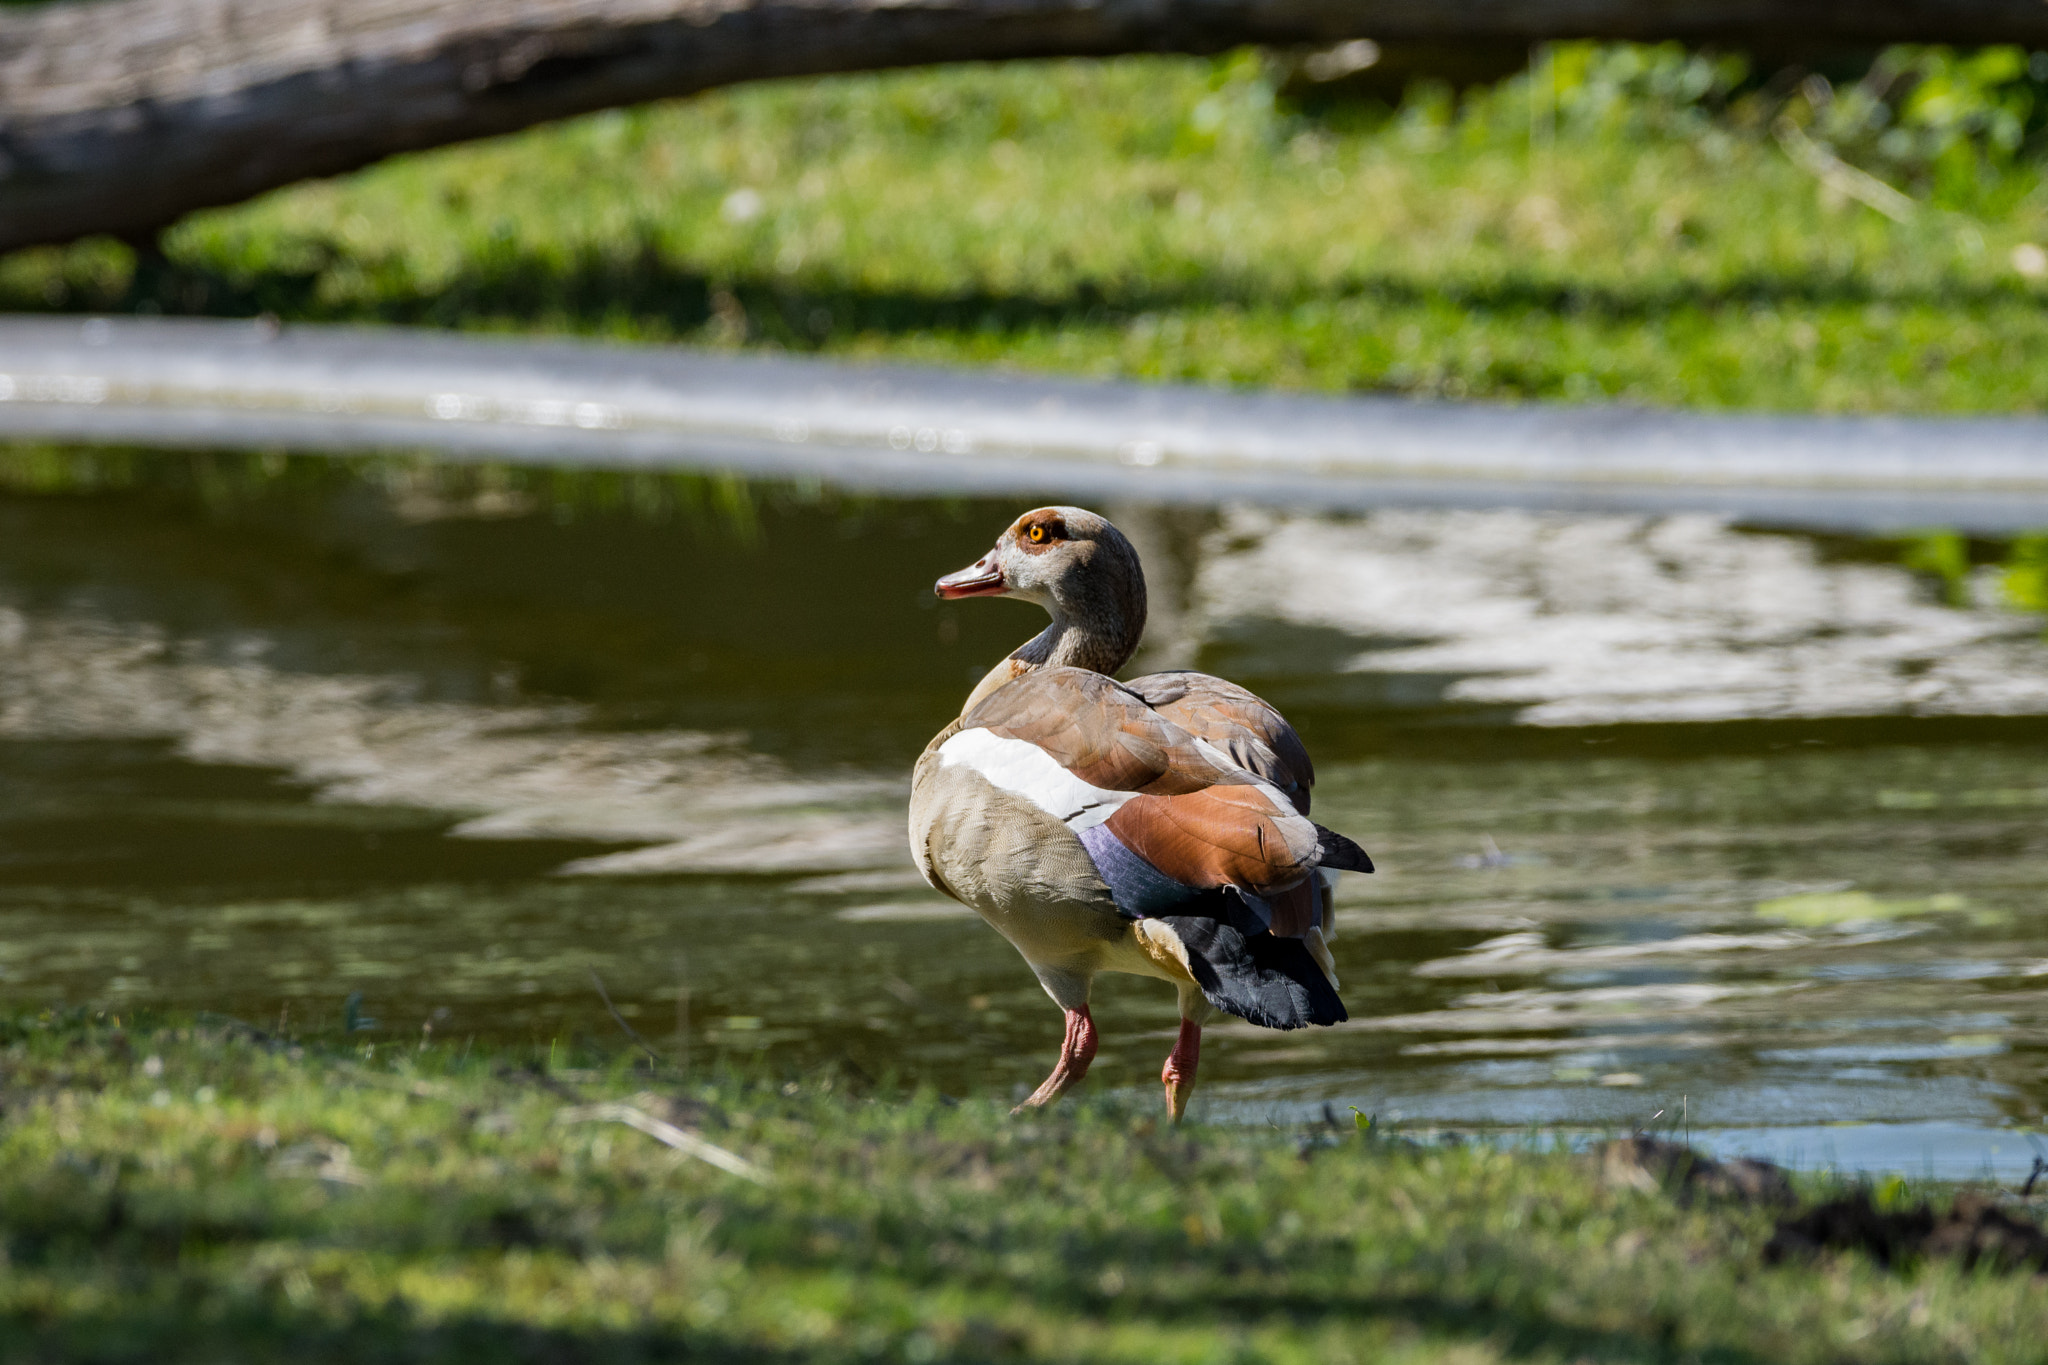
[1677, 822]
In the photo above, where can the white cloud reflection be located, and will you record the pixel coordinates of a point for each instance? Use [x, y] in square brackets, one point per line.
[701, 802]
[1591, 620]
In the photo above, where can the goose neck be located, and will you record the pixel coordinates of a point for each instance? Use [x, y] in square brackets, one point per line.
[1073, 644]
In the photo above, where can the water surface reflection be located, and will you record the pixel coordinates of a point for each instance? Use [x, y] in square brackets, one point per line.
[1671, 816]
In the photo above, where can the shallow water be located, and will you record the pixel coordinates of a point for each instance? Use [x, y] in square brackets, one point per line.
[1677, 823]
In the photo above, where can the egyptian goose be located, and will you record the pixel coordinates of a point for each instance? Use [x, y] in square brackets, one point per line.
[1157, 826]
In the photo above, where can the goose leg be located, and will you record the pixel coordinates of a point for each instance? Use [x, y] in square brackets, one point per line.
[1076, 1051]
[1179, 1074]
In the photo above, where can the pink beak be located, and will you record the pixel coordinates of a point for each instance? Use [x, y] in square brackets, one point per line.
[982, 578]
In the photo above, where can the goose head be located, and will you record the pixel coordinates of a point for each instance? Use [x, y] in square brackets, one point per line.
[1081, 570]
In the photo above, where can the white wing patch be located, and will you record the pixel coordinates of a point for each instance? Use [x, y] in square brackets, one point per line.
[1023, 769]
[1231, 765]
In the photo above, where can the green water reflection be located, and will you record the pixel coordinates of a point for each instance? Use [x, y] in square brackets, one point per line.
[265, 744]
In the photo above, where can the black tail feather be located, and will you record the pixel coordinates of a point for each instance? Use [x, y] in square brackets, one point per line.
[1334, 850]
[1246, 971]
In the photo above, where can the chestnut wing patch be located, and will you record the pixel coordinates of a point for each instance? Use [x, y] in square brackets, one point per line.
[1226, 835]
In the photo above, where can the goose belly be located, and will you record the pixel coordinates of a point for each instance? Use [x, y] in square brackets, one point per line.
[1021, 869]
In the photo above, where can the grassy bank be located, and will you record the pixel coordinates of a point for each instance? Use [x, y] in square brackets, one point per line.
[1618, 223]
[193, 1191]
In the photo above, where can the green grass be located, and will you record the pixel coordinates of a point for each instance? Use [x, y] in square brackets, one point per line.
[1620, 224]
[189, 1191]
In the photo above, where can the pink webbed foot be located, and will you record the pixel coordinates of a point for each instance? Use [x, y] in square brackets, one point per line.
[1076, 1051]
[1179, 1074]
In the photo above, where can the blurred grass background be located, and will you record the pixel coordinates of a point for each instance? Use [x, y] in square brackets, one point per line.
[1611, 222]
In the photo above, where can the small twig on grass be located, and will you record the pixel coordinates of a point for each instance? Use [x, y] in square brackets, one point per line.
[620, 1020]
[1839, 176]
[2040, 1166]
[689, 1144]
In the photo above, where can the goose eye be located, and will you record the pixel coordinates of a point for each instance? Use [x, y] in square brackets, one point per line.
[1036, 535]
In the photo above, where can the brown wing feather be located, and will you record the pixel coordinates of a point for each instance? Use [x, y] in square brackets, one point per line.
[1240, 723]
[1296, 910]
[1097, 730]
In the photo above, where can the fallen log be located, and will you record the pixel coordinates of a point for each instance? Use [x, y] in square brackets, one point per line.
[121, 116]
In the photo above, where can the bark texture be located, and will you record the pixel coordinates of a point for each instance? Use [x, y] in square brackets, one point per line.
[119, 116]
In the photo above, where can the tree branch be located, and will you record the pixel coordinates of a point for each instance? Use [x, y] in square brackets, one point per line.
[121, 116]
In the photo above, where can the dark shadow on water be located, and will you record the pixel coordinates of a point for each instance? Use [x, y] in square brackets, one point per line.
[644, 292]
[1478, 737]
